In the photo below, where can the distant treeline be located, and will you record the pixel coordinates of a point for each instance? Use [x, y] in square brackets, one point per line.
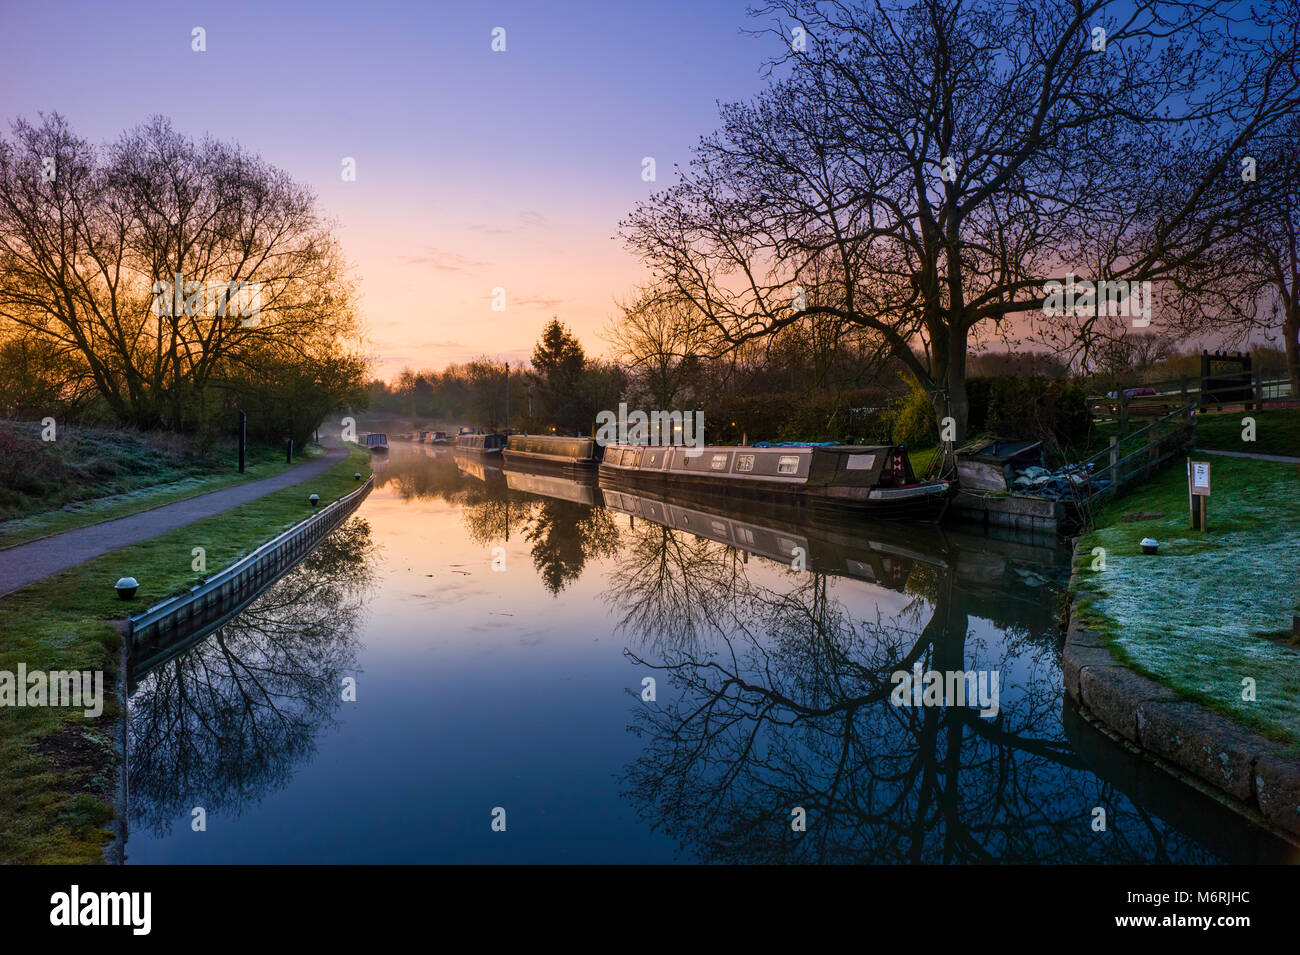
[797, 387]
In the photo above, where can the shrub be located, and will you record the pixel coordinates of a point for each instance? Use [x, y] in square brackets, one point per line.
[1053, 409]
[912, 419]
[798, 416]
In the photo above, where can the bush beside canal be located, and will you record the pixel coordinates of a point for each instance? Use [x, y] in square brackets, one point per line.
[58, 769]
[1209, 609]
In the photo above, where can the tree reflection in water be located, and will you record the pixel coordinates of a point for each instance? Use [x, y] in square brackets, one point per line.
[565, 535]
[228, 720]
[772, 696]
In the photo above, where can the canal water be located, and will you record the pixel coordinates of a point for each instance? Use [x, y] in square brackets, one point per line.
[616, 678]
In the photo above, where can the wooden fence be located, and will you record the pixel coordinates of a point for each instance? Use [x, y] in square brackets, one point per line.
[1134, 457]
[1250, 389]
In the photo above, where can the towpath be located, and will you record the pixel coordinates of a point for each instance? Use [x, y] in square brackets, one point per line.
[1249, 454]
[28, 563]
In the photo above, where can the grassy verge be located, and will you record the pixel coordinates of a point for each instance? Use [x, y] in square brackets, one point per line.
[57, 768]
[1211, 609]
[92, 475]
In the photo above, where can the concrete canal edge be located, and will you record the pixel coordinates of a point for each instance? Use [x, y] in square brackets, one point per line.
[1243, 770]
[221, 596]
[1020, 512]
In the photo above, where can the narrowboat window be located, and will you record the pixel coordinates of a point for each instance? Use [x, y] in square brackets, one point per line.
[719, 462]
[787, 464]
[654, 458]
[745, 462]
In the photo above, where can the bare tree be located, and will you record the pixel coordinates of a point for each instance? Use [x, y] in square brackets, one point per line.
[161, 262]
[950, 157]
[1269, 256]
[661, 344]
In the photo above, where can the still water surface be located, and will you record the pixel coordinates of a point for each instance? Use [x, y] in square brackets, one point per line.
[522, 688]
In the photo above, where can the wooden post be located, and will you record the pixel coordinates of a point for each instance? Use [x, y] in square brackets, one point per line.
[1153, 447]
[243, 438]
[1198, 492]
[1114, 461]
[1123, 413]
[1183, 390]
[1259, 388]
[1205, 374]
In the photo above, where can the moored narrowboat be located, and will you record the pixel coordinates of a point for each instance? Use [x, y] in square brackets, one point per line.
[375, 441]
[877, 481]
[479, 443]
[529, 450]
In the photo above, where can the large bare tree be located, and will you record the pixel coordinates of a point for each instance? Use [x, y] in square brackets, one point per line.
[949, 157]
[1267, 261]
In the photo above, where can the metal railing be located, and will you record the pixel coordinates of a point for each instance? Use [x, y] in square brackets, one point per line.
[237, 584]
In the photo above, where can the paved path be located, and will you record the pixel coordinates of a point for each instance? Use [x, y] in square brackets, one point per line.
[1248, 454]
[28, 563]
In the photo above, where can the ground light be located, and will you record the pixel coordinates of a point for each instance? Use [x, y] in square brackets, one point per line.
[126, 588]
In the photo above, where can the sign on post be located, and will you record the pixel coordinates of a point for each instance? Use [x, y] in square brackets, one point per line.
[1198, 491]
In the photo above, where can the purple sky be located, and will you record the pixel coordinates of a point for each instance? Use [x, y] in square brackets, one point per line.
[475, 169]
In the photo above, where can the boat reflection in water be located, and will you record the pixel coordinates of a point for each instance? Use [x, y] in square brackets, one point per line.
[479, 467]
[554, 486]
[775, 692]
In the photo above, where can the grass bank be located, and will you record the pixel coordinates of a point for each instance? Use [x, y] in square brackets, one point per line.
[1277, 431]
[57, 768]
[90, 475]
[1211, 609]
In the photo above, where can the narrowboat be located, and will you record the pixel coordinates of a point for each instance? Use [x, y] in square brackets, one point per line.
[529, 450]
[376, 441]
[481, 443]
[875, 481]
[436, 437]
